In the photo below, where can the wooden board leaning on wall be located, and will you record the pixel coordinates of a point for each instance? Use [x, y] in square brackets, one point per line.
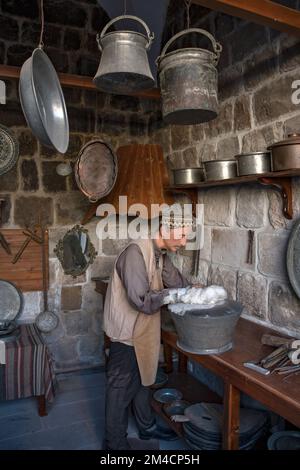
[26, 273]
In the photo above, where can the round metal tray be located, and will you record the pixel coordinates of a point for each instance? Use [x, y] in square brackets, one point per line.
[11, 301]
[293, 258]
[9, 150]
[167, 395]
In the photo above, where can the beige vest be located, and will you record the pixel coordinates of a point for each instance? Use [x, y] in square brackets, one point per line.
[125, 324]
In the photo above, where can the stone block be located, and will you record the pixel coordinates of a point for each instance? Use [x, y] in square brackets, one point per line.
[2, 52]
[274, 99]
[55, 234]
[227, 278]
[52, 182]
[180, 137]
[190, 157]
[30, 179]
[31, 34]
[251, 207]
[55, 272]
[27, 8]
[5, 208]
[97, 321]
[27, 143]
[9, 28]
[231, 82]
[241, 113]
[272, 254]
[76, 323]
[102, 266]
[138, 125]
[206, 151]
[198, 132]
[258, 140]
[71, 207]
[28, 210]
[59, 59]
[292, 125]
[289, 53]
[124, 103]
[86, 65]
[11, 114]
[227, 148]
[112, 123]
[75, 144]
[261, 66]
[72, 39]
[284, 306]
[99, 19]
[224, 24]
[65, 351]
[90, 347]
[33, 305]
[219, 206]
[247, 39]
[230, 247]
[175, 160]
[113, 247]
[252, 293]
[91, 300]
[9, 181]
[18, 53]
[222, 124]
[62, 12]
[205, 252]
[71, 298]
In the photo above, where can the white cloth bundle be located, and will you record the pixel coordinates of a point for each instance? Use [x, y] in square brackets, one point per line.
[204, 296]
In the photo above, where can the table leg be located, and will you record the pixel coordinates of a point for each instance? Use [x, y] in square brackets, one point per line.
[182, 363]
[42, 405]
[231, 423]
[168, 350]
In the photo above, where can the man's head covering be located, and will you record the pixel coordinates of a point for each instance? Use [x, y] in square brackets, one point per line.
[175, 217]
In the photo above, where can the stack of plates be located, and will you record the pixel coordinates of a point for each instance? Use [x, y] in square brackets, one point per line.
[204, 430]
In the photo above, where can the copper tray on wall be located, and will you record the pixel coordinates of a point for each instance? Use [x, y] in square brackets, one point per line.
[96, 169]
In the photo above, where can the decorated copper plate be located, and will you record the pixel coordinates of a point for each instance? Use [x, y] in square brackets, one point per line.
[293, 258]
[9, 150]
[96, 169]
[11, 301]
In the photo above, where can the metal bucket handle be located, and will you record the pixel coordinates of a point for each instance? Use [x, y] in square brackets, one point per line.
[217, 47]
[123, 17]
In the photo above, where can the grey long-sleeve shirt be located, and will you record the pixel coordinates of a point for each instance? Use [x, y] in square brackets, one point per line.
[132, 271]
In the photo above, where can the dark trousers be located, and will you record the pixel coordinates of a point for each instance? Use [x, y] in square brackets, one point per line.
[124, 389]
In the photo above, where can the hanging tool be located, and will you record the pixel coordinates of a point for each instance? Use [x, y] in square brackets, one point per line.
[3, 242]
[256, 366]
[30, 236]
[271, 340]
[250, 246]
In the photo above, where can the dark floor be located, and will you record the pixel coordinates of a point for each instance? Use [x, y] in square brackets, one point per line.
[75, 420]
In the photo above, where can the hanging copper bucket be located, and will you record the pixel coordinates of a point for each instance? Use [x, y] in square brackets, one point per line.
[189, 81]
[124, 66]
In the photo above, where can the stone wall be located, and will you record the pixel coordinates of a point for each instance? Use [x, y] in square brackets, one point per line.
[256, 70]
[33, 188]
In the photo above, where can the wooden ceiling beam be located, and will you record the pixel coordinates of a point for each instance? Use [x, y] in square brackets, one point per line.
[264, 12]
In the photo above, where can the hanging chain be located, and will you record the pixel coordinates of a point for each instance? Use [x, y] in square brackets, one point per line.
[125, 7]
[41, 43]
[188, 5]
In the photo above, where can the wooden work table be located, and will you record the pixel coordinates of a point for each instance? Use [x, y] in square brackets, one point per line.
[279, 395]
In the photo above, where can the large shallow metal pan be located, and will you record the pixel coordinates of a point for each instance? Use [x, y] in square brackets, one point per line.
[96, 169]
[293, 258]
[43, 103]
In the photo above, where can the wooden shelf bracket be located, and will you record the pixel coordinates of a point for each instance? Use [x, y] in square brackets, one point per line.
[284, 185]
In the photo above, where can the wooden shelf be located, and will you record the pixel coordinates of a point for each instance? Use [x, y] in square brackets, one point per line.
[279, 180]
[76, 81]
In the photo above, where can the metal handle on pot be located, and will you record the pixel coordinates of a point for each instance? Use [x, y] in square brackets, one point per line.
[217, 47]
[123, 17]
